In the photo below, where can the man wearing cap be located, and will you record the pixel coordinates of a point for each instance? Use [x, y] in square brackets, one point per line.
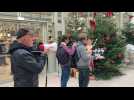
[25, 66]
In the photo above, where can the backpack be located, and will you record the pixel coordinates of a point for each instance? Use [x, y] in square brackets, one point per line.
[62, 56]
[75, 57]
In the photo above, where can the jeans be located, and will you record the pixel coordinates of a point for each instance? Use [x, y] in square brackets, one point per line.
[83, 77]
[65, 75]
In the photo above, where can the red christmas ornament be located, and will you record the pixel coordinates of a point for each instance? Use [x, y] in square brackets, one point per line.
[130, 17]
[108, 38]
[93, 24]
[94, 14]
[109, 14]
[113, 62]
[81, 14]
[120, 55]
[105, 48]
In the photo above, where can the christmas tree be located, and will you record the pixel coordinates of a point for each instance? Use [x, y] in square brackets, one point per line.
[76, 23]
[129, 33]
[113, 45]
[103, 29]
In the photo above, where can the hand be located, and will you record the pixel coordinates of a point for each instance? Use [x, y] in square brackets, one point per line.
[63, 43]
[100, 57]
[73, 72]
[74, 44]
[91, 69]
[74, 69]
[46, 51]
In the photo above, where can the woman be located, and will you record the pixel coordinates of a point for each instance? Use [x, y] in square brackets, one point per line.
[64, 56]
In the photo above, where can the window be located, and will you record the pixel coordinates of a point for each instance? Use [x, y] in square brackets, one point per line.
[59, 17]
[59, 33]
[59, 14]
[59, 21]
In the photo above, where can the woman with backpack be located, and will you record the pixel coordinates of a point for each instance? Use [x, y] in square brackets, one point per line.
[64, 55]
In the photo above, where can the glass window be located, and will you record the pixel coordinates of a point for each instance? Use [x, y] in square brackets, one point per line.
[59, 14]
[59, 21]
[59, 33]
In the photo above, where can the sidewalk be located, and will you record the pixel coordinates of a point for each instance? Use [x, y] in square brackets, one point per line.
[126, 80]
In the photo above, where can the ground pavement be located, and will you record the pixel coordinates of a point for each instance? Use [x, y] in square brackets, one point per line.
[126, 80]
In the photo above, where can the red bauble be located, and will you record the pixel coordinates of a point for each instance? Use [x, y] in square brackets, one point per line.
[113, 62]
[109, 14]
[81, 14]
[105, 48]
[94, 14]
[93, 24]
[130, 17]
[120, 56]
[107, 39]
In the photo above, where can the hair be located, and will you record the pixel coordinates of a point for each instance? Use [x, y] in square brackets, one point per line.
[88, 37]
[50, 37]
[40, 43]
[64, 37]
[82, 36]
[21, 32]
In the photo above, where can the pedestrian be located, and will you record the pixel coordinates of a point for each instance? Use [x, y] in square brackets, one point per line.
[25, 66]
[89, 49]
[64, 56]
[83, 62]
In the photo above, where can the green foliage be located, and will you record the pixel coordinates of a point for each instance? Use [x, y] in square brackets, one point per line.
[108, 68]
[129, 33]
[106, 33]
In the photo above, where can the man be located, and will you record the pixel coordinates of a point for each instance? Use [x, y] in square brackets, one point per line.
[25, 66]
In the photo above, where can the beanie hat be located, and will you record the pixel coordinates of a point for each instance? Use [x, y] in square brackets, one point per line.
[22, 32]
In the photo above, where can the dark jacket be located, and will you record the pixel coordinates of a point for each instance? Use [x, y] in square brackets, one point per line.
[25, 66]
[65, 54]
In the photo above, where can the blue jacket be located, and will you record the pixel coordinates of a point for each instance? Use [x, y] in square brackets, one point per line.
[83, 62]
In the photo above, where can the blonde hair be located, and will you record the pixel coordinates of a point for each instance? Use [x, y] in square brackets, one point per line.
[82, 36]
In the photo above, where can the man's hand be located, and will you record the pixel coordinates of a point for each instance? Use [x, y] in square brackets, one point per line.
[46, 51]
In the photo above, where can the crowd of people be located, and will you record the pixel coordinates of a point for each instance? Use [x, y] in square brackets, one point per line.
[28, 60]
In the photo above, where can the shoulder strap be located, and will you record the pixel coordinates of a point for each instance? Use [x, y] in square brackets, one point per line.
[78, 53]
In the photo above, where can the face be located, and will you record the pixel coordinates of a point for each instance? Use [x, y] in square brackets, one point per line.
[89, 42]
[28, 40]
[85, 42]
[35, 36]
[66, 41]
